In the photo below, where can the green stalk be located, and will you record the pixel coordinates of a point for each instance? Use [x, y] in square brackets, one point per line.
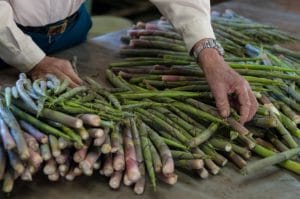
[213, 111]
[285, 134]
[290, 125]
[231, 31]
[136, 140]
[53, 142]
[260, 73]
[192, 88]
[150, 118]
[105, 108]
[273, 158]
[38, 124]
[174, 84]
[131, 105]
[215, 156]
[262, 111]
[191, 129]
[247, 141]
[241, 59]
[173, 123]
[141, 78]
[105, 93]
[164, 151]
[290, 113]
[214, 169]
[277, 143]
[147, 154]
[241, 151]
[220, 144]
[204, 136]
[261, 80]
[231, 135]
[148, 63]
[53, 115]
[181, 155]
[194, 164]
[279, 49]
[149, 94]
[174, 144]
[116, 81]
[237, 160]
[185, 58]
[186, 117]
[69, 94]
[262, 67]
[265, 122]
[197, 113]
[157, 162]
[282, 97]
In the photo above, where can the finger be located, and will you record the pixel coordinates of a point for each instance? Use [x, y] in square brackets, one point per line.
[62, 76]
[34, 77]
[244, 100]
[37, 76]
[73, 84]
[222, 102]
[71, 73]
[254, 105]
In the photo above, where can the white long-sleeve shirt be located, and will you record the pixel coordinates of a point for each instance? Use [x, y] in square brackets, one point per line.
[190, 17]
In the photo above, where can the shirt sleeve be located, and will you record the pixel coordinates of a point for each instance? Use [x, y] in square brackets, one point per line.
[16, 48]
[190, 17]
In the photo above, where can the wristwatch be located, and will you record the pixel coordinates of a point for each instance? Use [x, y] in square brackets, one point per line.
[208, 43]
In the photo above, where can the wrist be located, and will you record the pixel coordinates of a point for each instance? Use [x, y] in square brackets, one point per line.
[40, 63]
[209, 56]
[207, 45]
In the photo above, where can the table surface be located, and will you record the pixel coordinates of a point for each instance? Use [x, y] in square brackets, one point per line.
[93, 58]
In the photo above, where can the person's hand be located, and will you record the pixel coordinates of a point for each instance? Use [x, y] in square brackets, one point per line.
[224, 81]
[59, 67]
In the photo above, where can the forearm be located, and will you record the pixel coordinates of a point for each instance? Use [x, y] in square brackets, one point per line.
[190, 17]
[16, 48]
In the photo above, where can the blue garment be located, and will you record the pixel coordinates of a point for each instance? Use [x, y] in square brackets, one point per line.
[74, 34]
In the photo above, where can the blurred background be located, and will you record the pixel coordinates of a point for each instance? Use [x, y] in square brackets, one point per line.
[113, 15]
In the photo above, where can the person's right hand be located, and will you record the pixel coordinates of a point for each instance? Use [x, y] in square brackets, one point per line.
[223, 81]
[59, 67]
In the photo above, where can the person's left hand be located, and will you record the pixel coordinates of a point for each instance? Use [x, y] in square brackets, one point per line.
[60, 67]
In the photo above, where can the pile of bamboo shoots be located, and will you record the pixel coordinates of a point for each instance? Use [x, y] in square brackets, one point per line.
[159, 114]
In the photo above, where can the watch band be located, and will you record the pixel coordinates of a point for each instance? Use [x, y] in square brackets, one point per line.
[208, 43]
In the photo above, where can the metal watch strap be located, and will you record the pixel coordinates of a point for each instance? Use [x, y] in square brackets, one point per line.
[208, 43]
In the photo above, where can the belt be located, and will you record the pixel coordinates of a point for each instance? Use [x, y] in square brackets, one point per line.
[52, 29]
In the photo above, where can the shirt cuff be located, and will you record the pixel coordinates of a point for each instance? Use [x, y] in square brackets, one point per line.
[196, 30]
[29, 57]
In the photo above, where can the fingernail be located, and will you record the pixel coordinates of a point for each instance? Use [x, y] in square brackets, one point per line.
[224, 113]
